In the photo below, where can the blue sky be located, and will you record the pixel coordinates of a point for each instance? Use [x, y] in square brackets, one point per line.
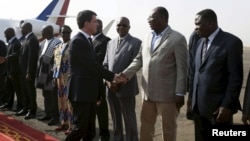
[233, 15]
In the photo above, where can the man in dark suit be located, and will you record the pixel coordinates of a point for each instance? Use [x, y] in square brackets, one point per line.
[100, 45]
[85, 73]
[13, 71]
[120, 53]
[194, 40]
[215, 76]
[28, 64]
[3, 52]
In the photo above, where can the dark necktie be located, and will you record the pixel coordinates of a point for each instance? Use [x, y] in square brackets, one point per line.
[90, 41]
[119, 42]
[204, 49]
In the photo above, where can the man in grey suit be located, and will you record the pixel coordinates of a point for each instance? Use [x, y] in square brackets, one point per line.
[163, 59]
[215, 75]
[120, 53]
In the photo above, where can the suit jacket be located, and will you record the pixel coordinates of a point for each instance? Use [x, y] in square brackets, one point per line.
[29, 55]
[3, 52]
[100, 47]
[118, 57]
[246, 102]
[218, 80]
[164, 71]
[13, 67]
[85, 71]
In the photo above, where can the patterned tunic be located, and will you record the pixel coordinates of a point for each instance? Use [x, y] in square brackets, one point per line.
[61, 71]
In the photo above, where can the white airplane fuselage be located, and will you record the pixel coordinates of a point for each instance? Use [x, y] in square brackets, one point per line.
[36, 24]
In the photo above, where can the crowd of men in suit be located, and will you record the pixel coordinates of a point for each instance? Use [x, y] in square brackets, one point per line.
[212, 63]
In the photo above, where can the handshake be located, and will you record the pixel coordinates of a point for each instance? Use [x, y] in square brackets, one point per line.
[118, 79]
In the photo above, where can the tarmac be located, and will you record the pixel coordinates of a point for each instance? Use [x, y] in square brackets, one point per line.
[185, 130]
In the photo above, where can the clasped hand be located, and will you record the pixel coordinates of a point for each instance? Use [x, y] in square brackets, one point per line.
[120, 78]
[2, 59]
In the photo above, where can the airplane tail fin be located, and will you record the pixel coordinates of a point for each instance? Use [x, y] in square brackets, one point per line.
[106, 29]
[55, 12]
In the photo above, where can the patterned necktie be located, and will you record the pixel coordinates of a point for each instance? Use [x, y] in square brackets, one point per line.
[204, 49]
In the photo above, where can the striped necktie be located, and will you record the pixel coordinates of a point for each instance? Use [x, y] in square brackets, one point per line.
[204, 49]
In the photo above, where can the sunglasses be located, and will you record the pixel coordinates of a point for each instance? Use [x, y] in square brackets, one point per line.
[122, 25]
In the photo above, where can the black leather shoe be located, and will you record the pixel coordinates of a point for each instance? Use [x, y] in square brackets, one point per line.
[21, 112]
[43, 118]
[15, 110]
[30, 115]
[103, 138]
[53, 121]
[4, 106]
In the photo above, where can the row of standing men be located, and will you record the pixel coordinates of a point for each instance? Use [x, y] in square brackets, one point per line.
[51, 58]
[213, 67]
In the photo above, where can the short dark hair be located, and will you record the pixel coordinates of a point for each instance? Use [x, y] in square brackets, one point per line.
[84, 16]
[65, 26]
[208, 15]
[163, 12]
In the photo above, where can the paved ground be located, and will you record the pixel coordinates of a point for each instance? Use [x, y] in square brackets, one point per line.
[185, 127]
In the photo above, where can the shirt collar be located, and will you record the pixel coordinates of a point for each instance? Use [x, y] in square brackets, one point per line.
[85, 34]
[163, 32]
[124, 37]
[95, 36]
[212, 36]
[28, 35]
[12, 39]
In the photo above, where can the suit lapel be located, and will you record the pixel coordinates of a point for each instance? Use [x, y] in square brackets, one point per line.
[86, 41]
[150, 39]
[163, 38]
[198, 55]
[213, 45]
[98, 40]
[124, 43]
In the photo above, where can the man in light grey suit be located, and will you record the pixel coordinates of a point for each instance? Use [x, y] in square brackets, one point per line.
[121, 98]
[163, 59]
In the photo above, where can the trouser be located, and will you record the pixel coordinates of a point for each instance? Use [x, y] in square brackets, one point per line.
[28, 91]
[168, 114]
[51, 103]
[102, 113]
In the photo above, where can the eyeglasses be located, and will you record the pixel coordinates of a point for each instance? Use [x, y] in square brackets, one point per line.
[122, 25]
